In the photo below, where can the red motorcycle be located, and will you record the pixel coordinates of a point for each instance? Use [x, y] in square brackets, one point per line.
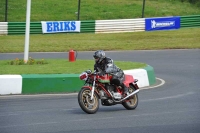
[99, 87]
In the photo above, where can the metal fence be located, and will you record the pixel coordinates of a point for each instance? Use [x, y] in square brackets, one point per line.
[51, 10]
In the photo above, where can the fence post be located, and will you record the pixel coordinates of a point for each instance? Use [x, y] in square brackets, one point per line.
[6, 11]
[79, 6]
[143, 8]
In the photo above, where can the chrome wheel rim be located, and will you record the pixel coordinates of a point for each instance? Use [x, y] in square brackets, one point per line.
[87, 102]
[133, 99]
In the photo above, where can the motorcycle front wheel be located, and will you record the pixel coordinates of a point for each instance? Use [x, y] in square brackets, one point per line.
[132, 102]
[87, 105]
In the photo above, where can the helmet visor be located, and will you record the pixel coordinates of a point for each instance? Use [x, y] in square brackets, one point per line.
[95, 57]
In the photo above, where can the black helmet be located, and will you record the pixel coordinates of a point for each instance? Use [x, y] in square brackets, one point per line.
[100, 55]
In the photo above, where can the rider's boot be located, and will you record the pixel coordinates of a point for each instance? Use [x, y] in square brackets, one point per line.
[125, 89]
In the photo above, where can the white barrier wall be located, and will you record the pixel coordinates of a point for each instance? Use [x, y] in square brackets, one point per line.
[141, 75]
[120, 25]
[10, 84]
[3, 28]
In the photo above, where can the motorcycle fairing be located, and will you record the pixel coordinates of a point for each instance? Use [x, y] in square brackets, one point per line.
[128, 79]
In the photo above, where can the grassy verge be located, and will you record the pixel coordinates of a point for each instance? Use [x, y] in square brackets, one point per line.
[59, 66]
[186, 38]
[96, 9]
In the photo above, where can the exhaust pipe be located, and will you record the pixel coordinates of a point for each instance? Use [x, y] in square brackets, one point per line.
[133, 93]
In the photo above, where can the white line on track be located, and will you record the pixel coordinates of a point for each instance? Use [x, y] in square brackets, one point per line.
[150, 87]
[171, 97]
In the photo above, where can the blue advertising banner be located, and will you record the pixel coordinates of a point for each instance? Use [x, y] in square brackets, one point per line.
[60, 26]
[166, 23]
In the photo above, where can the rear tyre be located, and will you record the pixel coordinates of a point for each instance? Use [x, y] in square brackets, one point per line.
[132, 102]
[87, 105]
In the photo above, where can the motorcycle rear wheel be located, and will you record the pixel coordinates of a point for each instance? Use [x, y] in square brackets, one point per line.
[132, 102]
[87, 105]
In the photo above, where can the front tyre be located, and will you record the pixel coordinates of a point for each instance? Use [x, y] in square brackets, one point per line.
[132, 102]
[87, 105]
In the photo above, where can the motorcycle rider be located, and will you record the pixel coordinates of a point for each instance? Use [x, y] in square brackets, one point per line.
[105, 64]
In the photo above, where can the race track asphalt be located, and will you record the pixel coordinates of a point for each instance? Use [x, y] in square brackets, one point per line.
[171, 108]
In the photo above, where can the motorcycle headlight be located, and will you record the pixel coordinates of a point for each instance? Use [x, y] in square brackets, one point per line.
[83, 76]
[88, 71]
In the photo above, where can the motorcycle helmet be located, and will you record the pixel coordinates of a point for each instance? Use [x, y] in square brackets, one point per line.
[99, 55]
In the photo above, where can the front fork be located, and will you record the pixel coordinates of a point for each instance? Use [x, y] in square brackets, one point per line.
[93, 86]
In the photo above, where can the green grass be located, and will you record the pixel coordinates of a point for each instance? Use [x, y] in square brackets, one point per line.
[60, 66]
[187, 38]
[46, 10]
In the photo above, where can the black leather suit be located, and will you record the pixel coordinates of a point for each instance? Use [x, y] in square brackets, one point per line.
[107, 66]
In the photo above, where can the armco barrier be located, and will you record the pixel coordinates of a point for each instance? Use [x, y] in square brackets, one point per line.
[3, 28]
[36, 27]
[190, 21]
[120, 25]
[96, 26]
[60, 83]
[20, 27]
[88, 26]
